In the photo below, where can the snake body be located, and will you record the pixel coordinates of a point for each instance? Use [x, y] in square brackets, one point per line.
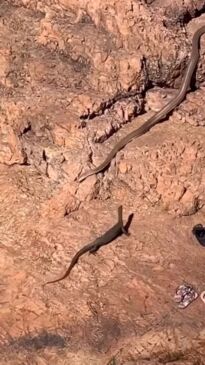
[161, 114]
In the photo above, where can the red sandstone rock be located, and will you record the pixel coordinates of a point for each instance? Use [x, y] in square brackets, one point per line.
[75, 77]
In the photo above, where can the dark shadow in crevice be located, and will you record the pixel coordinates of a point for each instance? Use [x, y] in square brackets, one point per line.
[41, 341]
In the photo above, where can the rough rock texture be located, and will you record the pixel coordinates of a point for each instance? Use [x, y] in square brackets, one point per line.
[75, 77]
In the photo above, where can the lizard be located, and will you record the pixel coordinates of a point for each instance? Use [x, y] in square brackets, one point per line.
[94, 246]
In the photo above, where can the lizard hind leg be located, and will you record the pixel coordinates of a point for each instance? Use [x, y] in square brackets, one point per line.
[94, 249]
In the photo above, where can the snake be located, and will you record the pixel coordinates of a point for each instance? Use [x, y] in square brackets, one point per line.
[161, 114]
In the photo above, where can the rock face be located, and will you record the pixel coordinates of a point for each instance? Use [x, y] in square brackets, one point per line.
[76, 77]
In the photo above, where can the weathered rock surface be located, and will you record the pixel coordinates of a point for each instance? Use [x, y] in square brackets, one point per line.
[75, 77]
